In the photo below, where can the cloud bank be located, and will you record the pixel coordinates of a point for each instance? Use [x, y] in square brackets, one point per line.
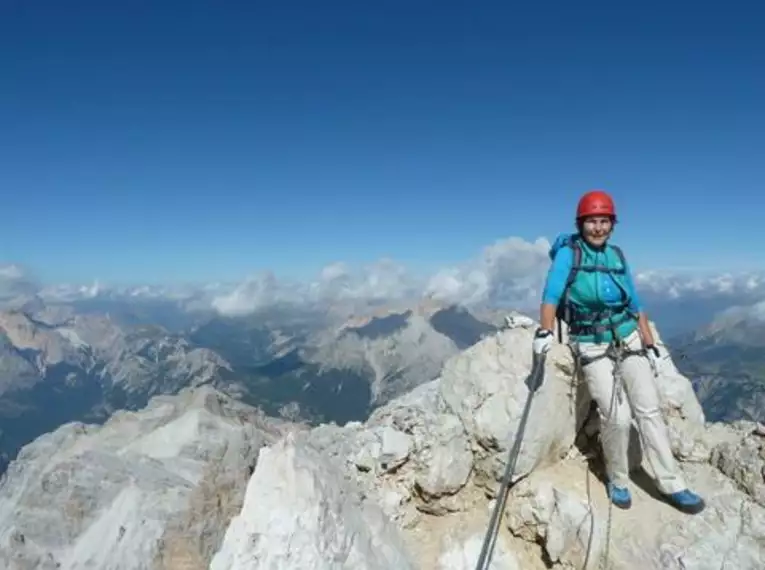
[507, 273]
[16, 281]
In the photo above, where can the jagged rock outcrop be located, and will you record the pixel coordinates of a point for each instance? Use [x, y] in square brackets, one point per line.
[742, 459]
[300, 512]
[462, 554]
[431, 461]
[150, 489]
[486, 387]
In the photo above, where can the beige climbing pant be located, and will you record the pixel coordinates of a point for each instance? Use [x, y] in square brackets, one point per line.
[641, 395]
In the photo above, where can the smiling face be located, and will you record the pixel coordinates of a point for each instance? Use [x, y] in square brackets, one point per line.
[597, 229]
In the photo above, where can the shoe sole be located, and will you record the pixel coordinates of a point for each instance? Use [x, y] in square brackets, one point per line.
[691, 509]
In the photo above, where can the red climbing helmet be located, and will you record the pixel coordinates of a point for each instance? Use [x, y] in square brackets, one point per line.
[595, 203]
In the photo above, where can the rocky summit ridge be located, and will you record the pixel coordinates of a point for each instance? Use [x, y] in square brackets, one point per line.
[199, 480]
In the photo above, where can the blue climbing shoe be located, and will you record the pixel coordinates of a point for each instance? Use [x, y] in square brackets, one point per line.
[686, 501]
[620, 496]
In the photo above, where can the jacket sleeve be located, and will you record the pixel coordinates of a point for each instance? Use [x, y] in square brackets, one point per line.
[557, 276]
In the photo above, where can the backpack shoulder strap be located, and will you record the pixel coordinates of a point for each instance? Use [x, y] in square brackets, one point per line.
[620, 253]
[575, 265]
[622, 271]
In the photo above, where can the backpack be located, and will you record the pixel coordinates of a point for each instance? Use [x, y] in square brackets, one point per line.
[565, 311]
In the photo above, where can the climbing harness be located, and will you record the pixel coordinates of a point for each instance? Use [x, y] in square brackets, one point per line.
[534, 382]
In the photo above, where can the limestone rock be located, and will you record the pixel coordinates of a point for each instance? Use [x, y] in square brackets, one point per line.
[563, 522]
[408, 449]
[675, 390]
[728, 535]
[442, 450]
[298, 514]
[487, 389]
[565, 509]
[110, 496]
[744, 462]
[516, 320]
[446, 460]
[382, 449]
[463, 555]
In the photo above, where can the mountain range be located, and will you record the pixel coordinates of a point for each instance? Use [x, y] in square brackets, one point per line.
[726, 361]
[60, 362]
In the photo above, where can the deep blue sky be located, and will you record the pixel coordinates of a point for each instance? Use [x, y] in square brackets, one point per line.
[206, 140]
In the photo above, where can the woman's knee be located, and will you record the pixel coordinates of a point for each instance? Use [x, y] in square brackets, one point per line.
[620, 417]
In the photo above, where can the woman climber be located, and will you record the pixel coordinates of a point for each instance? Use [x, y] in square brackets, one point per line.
[589, 286]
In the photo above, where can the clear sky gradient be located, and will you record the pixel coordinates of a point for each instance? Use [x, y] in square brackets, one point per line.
[164, 141]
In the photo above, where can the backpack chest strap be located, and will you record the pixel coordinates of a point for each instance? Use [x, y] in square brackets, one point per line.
[600, 269]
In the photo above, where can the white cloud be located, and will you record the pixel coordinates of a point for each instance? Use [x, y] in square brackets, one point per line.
[16, 281]
[740, 314]
[379, 281]
[458, 285]
[334, 272]
[259, 292]
[683, 284]
[509, 271]
[384, 280]
[11, 272]
[63, 292]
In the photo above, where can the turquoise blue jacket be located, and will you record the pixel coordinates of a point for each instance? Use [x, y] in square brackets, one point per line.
[592, 291]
